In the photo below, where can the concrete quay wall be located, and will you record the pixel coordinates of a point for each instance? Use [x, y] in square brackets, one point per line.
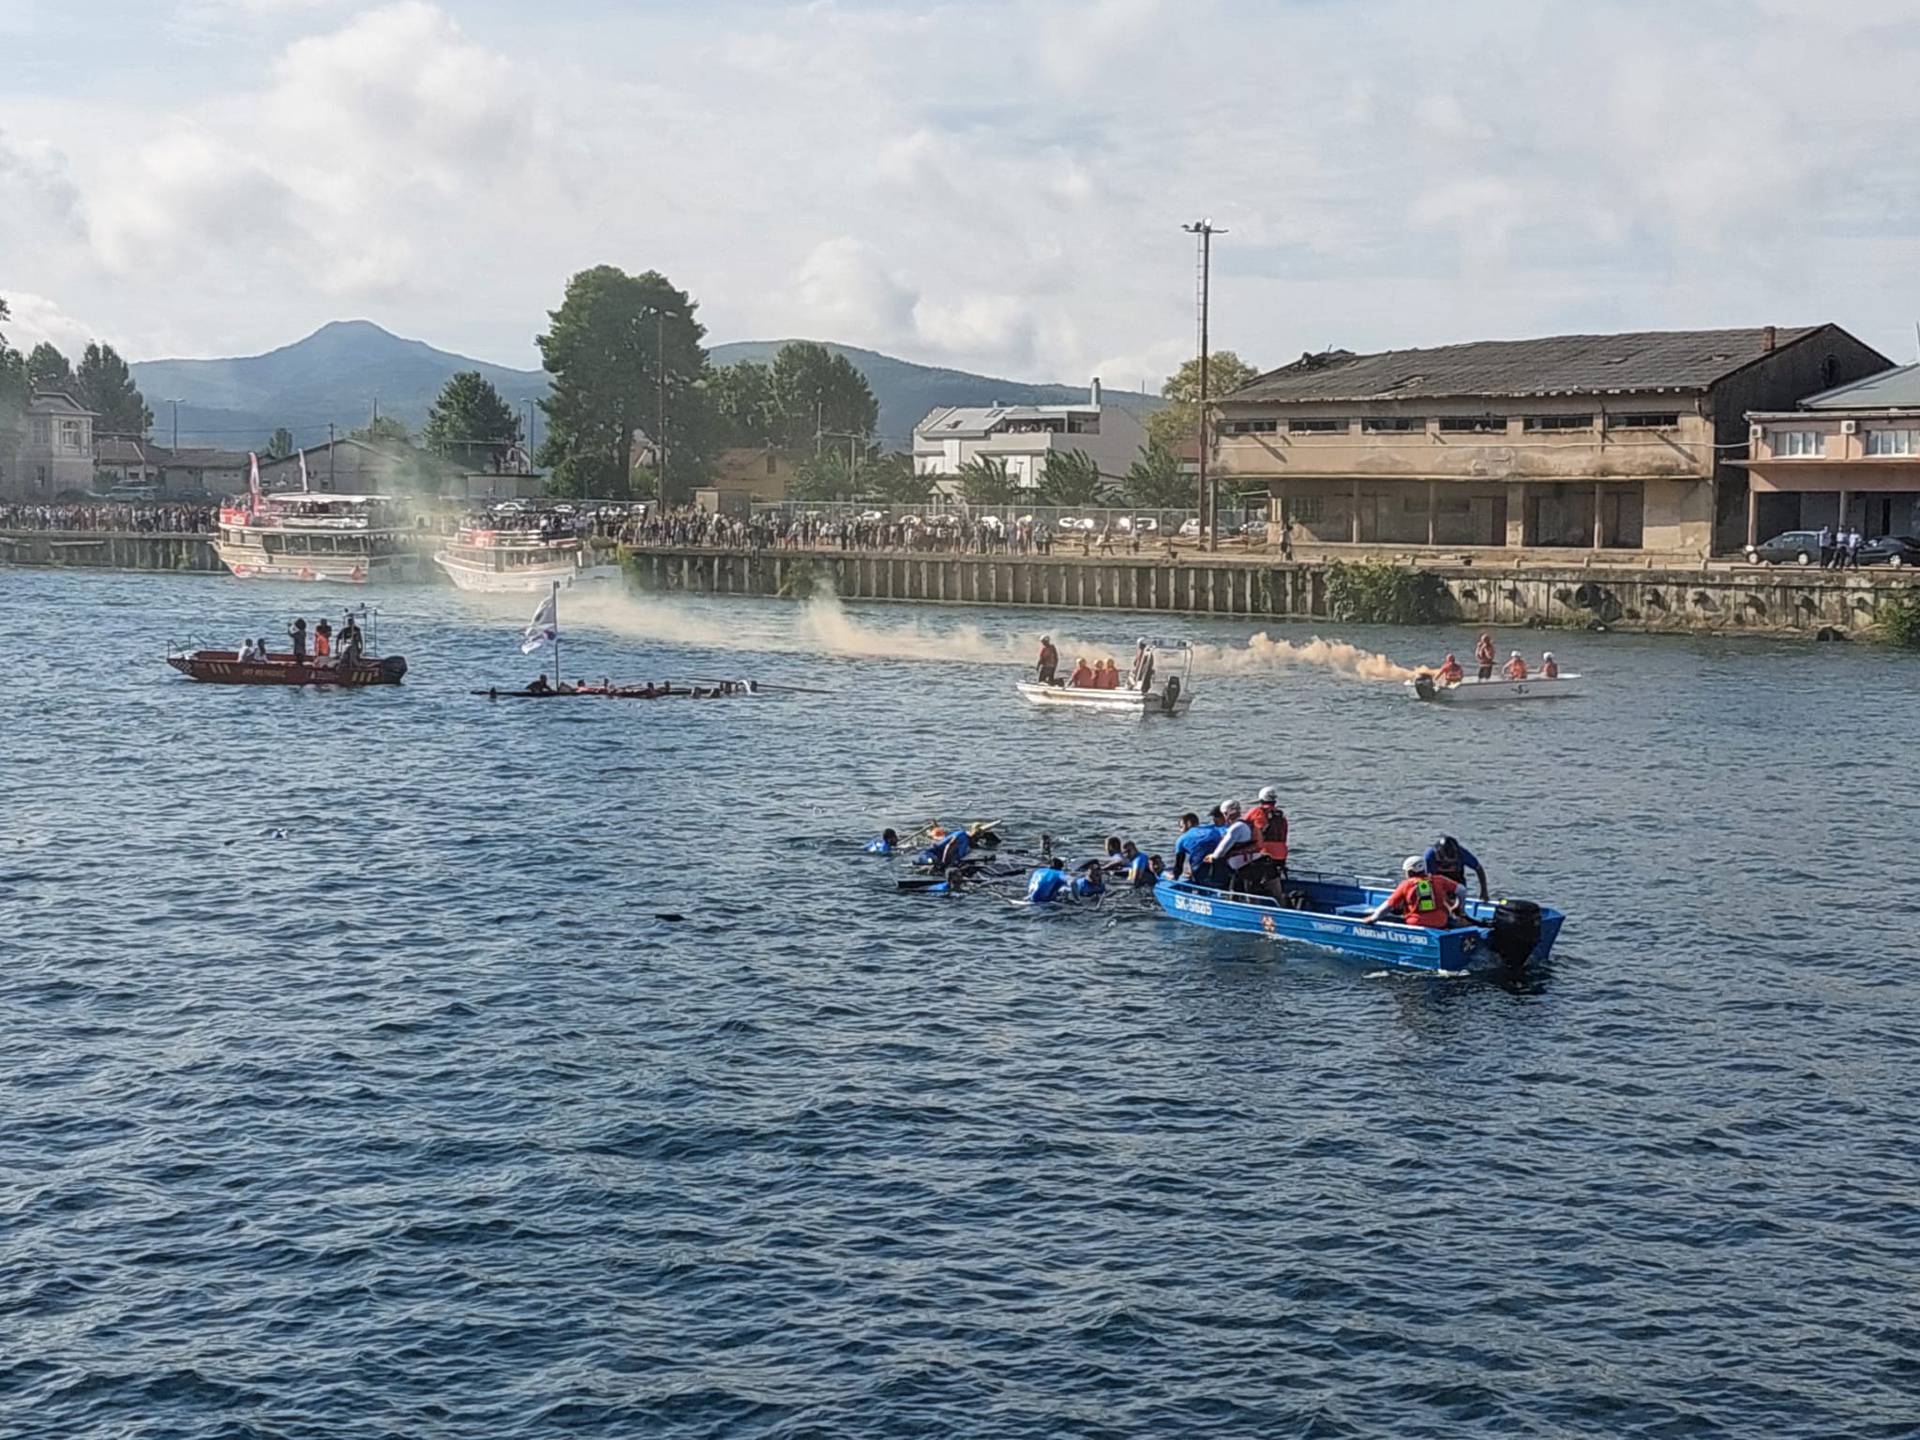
[1679, 601]
[108, 550]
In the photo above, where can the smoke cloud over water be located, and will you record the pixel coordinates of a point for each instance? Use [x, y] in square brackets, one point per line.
[823, 626]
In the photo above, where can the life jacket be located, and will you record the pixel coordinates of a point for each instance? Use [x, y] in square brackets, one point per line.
[1269, 827]
[1516, 669]
[1426, 907]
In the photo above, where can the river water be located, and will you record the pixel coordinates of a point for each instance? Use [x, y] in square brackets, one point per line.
[355, 1086]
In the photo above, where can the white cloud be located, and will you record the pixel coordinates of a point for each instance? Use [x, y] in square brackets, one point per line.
[34, 318]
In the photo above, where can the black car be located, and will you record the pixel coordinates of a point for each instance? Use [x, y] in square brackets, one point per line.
[1798, 547]
[1893, 550]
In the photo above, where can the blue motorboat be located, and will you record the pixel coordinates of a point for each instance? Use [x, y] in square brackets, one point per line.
[1331, 911]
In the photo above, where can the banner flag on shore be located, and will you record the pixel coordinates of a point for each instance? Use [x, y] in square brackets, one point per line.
[544, 627]
[304, 486]
[253, 480]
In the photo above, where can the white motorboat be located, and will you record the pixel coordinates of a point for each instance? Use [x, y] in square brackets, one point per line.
[316, 535]
[1497, 691]
[1164, 694]
[501, 558]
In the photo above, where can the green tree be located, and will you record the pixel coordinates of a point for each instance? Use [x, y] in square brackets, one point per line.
[743, 406]
[383, 429]
[1174, 427]
[281, 444]
[471, 424]
[105, 386]
[826, 476]
[47, 366]
[891, 477]
[984, 481]
[1154, 481]
[13, 377]
[625, 355]
[818, 397]
[1071, 478]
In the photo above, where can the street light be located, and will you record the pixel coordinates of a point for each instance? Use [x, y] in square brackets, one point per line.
[1209, 524]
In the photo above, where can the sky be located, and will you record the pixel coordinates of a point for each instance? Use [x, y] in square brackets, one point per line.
[997, 185]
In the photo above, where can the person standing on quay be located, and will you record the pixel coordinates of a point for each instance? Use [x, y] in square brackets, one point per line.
[1829, 552]
[1853, 547]
[1483, 654]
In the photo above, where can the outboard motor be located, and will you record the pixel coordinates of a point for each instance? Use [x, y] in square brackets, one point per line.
[1423, 685]
[1516, 930]
[1172, 696]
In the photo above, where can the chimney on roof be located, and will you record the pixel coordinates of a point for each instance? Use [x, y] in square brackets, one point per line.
[1093, 393]
[1769, 338]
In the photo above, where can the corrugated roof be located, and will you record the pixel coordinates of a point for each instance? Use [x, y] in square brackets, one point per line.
[1550, 365]
[1895, 389]
[973, 422]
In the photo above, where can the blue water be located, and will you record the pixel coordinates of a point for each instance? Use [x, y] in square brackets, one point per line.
[352, 1085]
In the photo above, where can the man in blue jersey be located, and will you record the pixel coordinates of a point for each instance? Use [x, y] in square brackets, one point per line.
[1089, 885]
[1196, 842]
[1049, 883]
[885, 845]
[1133, 865]
[1448, 857]
[952, 850]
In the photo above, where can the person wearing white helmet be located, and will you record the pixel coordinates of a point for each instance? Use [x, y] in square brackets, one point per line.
[1516, 667]
[1428, 901]
[1266, 867]
[1049, 662]
[1140, 673]
[1549, 667]
[1238, 850]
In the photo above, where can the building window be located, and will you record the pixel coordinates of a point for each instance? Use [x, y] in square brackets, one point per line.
[1307, 510]
[42, 430]
[1798, 444]
[1315, 427]
[1390, 424]
[1252, 427]
[1473, 424]
[1559, 422]
[1652, 420]
[773, 463]
[70, 434]
[1893, 442]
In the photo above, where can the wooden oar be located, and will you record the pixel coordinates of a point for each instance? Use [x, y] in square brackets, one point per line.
[760, 685]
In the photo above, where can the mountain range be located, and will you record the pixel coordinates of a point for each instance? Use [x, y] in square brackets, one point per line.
[342, 371]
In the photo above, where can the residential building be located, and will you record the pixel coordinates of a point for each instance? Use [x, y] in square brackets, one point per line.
[1846, 456]
[763, 473]
[1024, 437]
[126, 462]
[49, 453]
[1590, 442]
[134, 462]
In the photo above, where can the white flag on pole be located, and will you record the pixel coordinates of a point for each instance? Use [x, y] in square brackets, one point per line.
[544, 626]
[304, 486]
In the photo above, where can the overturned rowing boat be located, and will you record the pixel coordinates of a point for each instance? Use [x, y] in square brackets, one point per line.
[1330, 911]
[720, 690]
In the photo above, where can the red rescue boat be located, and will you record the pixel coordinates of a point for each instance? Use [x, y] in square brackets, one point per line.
[225, 667]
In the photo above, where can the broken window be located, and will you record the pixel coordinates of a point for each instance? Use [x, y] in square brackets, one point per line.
[1473, 424]
[1391, 424]
[1559, 422]
[1315, 427]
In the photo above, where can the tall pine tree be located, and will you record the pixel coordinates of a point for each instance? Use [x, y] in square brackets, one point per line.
[471, 424]
[105, 386]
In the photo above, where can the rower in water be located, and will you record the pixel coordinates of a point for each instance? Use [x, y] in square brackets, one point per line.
[1089, 885]
[1135, 867]
[1049, 883]
[885, 843]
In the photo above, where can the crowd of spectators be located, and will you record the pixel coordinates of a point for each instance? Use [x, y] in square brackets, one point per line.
[949, 534]
[165, 519]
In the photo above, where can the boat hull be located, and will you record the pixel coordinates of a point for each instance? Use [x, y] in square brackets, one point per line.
[1335, 920]
[1497, 691]
[1109, 702]
[521, 581]
[225, 667]
[250, 564]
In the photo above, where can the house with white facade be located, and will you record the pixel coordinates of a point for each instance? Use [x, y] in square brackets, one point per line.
[1023, 437]
[48, 453]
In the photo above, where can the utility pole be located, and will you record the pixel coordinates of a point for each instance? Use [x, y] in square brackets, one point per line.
[1209, 524]
[330, 461]
[660, 441]
[176, 425]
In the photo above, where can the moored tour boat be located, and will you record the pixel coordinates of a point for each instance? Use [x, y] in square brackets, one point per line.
[496, 557]
[1332, 910]
[1497, 691]
[314, 535]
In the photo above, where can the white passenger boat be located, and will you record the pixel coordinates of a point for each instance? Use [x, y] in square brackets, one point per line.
[1497, 691]
[501, 558]
[316, 535]
[1166, 693]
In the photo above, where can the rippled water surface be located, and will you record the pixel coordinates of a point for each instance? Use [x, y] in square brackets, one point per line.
[354, 1086]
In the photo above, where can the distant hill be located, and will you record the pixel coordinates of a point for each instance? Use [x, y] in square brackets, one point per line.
[907, 391]
[335, 374]
[338, 372]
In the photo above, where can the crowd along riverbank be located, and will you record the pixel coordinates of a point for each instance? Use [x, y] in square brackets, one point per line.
[1714, 599]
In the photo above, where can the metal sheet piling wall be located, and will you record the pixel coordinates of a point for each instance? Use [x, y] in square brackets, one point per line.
[1691, 601]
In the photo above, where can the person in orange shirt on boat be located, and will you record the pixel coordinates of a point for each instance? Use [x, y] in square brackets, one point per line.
[322, 639]
[1049, 662]
[1516, 667]
[1549, 667]
[1082, 677]
[1483, 654]
[1421, 899]
[1451, 673]
[1109, 674]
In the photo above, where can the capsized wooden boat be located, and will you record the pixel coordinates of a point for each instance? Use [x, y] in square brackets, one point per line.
[1497, 691]
[1330, 911]
[719, 690]
[225, 667]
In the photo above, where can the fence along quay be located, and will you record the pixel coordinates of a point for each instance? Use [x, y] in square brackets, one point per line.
[1680, 601]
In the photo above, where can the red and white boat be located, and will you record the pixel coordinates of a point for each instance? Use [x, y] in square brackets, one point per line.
[516, 555]
[316, 535]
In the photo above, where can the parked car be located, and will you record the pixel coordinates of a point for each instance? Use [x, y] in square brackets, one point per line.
[1895, 550]
[1138, 524]
[1253, 530]
[1802, 547]
[1081, 523]
[1190, 528]
[870, 517]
